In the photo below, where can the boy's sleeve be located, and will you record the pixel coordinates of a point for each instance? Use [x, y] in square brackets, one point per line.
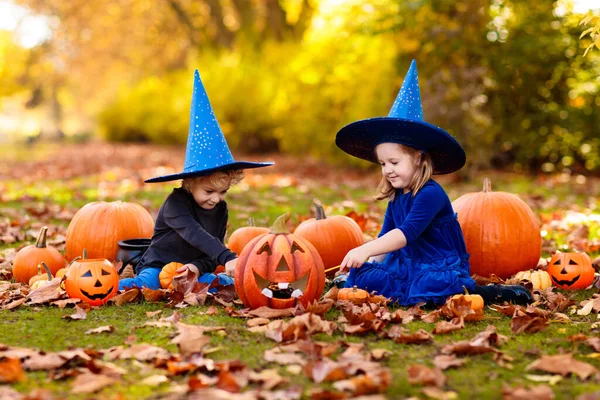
[388, 221]
[426, 205]
[205, 265]
[179, 217]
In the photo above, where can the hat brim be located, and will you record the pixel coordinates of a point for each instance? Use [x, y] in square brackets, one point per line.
[360, 138]
[204, 172]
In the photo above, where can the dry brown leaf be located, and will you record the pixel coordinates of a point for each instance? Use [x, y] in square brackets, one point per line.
[100, 329]
[540, 392]
[45, 294]
[445, 361]
[257, 321]
[268, 378]
[317, 308]
[402, 335]
[151, 314]
[422, 375]
[80, 313]
[444, 327]
[380, 354]
[154, 380]
[564, 364]
[284, 358]
[153, 296]
[271, 313]
[90, 383]
[371, 383]
[190, 339]
[140, 352]
[436, 393]
[128, 296]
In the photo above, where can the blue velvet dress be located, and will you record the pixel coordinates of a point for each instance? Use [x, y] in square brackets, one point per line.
[434, 263]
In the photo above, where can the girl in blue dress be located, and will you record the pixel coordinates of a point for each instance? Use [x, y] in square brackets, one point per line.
[420, 253]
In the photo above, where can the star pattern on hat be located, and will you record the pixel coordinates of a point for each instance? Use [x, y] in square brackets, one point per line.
[206, 145]
[408, 102]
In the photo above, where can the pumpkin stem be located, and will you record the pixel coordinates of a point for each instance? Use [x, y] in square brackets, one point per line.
[41, 240]
[47, 270]
[75, 259]
[487, 185]
[464, 287]
[84, 256]
[251, 222]
[279, 226]
[319, 211]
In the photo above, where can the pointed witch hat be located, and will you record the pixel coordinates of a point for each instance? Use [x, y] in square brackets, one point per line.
[404, 124]
[207, 150]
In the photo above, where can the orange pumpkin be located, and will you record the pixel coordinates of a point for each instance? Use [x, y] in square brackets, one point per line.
[94, 281]
[25, 264]
[571, 270]
[475, 300]
[167, 273]
[333, 237]
[501, 232]
[353, 295]
[99, 226]
[242, 236]
[278, 268]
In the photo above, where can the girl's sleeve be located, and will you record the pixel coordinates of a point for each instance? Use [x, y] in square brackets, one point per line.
[388, 221]
[428, 202]
[179, 217]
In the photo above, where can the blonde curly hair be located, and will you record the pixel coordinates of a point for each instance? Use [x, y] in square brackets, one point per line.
[219, 179]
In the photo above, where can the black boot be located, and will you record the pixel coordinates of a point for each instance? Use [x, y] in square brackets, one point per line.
[495, 293]
[516, 294]
[340, 281]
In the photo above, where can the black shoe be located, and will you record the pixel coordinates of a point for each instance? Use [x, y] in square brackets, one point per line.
[340, 281]
[516, 294]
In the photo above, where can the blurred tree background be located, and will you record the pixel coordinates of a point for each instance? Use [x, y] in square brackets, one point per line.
[507, 77]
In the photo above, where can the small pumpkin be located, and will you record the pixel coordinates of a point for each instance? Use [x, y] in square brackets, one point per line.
[99, 226]
[353, 295]
[278, 268]
[475, 299]
[571, 270]
[167, 273]
[539, 279]
[502, 233]
[94, 281]
[242, 236]
[29, 257]
[41, 279]
[333, 236]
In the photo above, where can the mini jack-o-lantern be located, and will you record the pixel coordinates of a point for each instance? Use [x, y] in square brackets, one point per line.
[94, 281]
[277, 269]
[571, 270]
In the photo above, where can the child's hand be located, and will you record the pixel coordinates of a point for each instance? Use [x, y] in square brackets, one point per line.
[355, 258]
[188, 267]
[230, 267]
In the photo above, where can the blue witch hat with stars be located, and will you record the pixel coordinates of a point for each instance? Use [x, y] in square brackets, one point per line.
[207, 150]
[404, 124]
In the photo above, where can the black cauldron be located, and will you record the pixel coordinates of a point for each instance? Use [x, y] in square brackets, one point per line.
[131, 251]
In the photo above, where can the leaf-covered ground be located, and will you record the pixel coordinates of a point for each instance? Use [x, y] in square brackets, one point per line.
[154, 345]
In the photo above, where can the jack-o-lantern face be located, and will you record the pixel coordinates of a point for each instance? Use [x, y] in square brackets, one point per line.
[571, 270]
[93, 281]
[277, 269]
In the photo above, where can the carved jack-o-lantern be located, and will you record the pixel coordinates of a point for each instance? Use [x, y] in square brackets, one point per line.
[571, 270]
[277, 269]
[94, 281]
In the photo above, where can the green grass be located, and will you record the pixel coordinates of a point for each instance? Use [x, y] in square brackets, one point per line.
[44, 328]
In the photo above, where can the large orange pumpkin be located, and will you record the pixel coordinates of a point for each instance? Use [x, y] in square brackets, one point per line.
[25, 264]
[501, 232]
[99, 226]
[333, 237]
[242, 236]
[571, 270]
[94, 281]
[278, 268]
